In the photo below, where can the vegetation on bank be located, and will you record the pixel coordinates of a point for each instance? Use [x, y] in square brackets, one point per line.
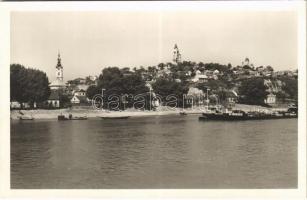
[253, 91]
[124, 84]
[28, 85]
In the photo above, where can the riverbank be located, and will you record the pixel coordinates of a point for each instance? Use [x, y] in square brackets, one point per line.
[53, 114]
[78, 112]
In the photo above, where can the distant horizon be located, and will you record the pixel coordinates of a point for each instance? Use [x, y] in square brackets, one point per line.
[91, 41]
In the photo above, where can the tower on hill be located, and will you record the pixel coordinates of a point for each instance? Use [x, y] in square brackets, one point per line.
[176, 55]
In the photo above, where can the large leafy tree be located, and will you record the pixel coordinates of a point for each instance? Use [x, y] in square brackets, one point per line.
[28, 85]
[290, 87]
[168, 88]
[92, 91]
[38, 86]
[253, 91]
[17, 83]
[117, 84]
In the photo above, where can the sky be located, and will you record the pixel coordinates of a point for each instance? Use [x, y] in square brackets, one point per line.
[91, 41]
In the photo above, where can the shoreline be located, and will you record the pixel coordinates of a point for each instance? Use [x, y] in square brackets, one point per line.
[53, 114]
[91, 113]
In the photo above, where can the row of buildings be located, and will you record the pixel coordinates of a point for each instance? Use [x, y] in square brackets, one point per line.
[195, 73]
[74, 90]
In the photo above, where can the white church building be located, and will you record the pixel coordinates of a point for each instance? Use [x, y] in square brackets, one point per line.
[56, 85]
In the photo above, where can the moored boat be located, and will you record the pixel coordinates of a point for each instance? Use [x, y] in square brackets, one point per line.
[26, 117]
[62, 117]
[182, 113]
[70, 117]
[79, 118]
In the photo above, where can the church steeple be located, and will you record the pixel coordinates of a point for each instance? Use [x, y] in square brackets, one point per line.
[59, 69]
[59, 65]
[58, 83]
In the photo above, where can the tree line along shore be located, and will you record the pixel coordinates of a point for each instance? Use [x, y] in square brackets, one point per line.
[193, 84]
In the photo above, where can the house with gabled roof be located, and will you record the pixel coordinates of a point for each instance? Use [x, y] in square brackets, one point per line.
[80, 98]
[54, 99]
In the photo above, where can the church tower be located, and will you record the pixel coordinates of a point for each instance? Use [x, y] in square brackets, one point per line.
[58, 83]
[176, 55]
[59, 69]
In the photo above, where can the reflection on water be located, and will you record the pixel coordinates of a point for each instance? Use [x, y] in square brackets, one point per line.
[154, 152]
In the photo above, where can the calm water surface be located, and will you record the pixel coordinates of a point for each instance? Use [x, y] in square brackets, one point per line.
[154, 152]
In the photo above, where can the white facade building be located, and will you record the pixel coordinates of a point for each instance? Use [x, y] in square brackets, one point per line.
[270, 99]
[58, 82]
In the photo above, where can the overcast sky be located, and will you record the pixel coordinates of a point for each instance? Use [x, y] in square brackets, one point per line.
[90, 41]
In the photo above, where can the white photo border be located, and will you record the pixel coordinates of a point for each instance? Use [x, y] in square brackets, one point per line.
[6, 8]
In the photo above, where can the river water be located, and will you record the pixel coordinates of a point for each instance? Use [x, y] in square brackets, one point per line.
[154, 152]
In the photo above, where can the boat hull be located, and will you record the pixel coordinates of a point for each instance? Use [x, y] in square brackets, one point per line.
[79, 118]
[227, 117]
[122, 117]
[63, 118]
[26, 119]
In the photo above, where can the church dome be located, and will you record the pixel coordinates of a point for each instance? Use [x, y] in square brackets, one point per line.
[57, 84]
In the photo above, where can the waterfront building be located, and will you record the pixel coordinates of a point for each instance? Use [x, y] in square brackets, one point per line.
[15, 105]
[80, 100]
[54, 99]
[270, 99]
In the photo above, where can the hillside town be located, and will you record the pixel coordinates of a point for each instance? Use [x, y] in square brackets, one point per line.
[212, 83]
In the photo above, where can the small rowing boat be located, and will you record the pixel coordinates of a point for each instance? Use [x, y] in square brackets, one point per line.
[26, 117]
[78, 118]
